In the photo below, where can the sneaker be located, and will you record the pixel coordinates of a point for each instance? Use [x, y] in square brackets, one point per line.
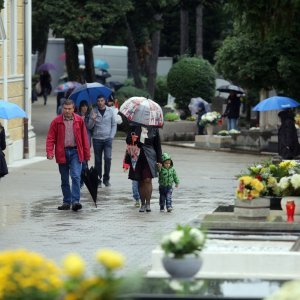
[76, 206]
[64, 206]
[142, 208]
[99, 183]
[162, 209]
[148, 209]
[106, 183]
[169, 209]
[137, 203]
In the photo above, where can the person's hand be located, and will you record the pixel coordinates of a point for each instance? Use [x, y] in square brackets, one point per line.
[50, 157]
[159, 165]
[93, 115]
[125, 170]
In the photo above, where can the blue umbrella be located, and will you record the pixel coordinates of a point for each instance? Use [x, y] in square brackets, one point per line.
[89, 92]
[276, 103]
[10, 110]
[101, 64]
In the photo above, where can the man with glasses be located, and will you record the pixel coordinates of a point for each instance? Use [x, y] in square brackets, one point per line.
[103, 123]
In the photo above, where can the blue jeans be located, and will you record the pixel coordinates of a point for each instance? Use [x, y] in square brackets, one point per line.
[231, 124]
[101, 146]
[72, 168]
[135, 190]
[165, 196]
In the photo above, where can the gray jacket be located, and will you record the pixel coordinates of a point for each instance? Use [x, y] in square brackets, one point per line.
[103, 127]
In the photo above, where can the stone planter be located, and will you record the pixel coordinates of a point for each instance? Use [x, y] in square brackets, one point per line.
[186, 267]
[209, 129]
[253, 209]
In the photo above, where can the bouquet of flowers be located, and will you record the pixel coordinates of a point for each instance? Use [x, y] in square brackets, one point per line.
[249, 188]
[184, 240]
[290, 185]
[210, 118]
[290, 290]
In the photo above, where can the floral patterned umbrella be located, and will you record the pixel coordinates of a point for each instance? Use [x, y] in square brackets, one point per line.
[142, 111]
[66, 86]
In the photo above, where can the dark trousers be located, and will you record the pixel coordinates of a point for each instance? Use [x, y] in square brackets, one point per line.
[165, 196]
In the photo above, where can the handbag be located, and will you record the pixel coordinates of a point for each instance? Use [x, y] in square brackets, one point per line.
[3, 165]
[38, 88]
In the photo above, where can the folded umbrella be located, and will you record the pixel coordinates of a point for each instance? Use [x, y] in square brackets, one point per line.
[90, 179]
[276, 103]
[142, 111]
[10, 110]
[89, 92]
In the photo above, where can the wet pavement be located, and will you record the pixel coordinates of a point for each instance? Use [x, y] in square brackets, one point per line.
[30, 194]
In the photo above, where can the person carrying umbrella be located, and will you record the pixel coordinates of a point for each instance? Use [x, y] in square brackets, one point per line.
[45, 81]
[232, 111]
[3, 165]
[145, 117]
[67, 140]
[288, 144]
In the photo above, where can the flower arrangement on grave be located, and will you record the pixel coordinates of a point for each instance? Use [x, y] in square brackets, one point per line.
[290, 290]
[28, 275]
[249, 188]
[210, 118]
[290, 185]
[270, 174]
[184, 240]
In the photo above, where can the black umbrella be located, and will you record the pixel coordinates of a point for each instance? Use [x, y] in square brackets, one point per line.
[90, 179]
[230, 88]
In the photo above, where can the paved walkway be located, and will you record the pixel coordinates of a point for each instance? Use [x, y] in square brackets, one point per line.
[31, 193]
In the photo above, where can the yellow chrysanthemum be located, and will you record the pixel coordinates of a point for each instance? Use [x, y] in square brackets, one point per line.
[257, 185]
[110, 259]
[73, 265]
[246, 179]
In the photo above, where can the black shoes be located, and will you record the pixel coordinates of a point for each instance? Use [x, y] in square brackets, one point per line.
[106, 183]
[64, 206]
[76, 206]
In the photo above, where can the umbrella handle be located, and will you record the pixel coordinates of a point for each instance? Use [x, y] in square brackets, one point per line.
[134, 137]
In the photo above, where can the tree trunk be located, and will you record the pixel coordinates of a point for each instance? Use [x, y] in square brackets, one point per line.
[199, 30]
[155, 43]
[133, 58]
[89, 62]
[184, 31]
[72, 63]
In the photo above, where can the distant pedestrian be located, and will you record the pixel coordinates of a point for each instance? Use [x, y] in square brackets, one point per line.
[232, 111]
[144, 168]
[3, 165]
[288, 144]
[200, 113]
[46, 87]
[134, 183]
[103, 123]
[67, 140]
[167, 177]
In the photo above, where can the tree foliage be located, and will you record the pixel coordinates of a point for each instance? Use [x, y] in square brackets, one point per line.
[263, 51]
[191, 77]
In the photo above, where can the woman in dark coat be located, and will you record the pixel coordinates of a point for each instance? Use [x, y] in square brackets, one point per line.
[3, 166]
[232, 111]
[288, 144]
[148, 141]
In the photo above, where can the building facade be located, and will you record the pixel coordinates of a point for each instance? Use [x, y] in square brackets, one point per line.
[15, 76]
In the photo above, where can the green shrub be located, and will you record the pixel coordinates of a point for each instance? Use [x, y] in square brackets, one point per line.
[191, 77]
[161, 90]
[126, 92]
[171, 117]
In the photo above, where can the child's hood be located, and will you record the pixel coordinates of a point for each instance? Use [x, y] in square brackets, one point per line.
[166, 156]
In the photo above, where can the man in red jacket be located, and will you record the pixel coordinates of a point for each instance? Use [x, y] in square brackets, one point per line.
[67, 140]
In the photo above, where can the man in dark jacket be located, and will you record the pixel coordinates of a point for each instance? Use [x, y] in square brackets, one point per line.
[232, 111]
[288, 144]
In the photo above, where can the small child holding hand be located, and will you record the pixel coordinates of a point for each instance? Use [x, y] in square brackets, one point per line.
[167, 177]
